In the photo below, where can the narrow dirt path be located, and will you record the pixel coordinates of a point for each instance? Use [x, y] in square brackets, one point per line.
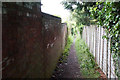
[71, 69]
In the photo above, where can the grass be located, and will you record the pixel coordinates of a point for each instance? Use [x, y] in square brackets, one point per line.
[63, 57]
[86, 60]
[66, 49]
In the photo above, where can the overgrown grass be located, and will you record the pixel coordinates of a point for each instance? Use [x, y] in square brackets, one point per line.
[63, 57]
[66, 50]
[86, 60]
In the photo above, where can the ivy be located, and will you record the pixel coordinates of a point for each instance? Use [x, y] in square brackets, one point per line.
[107, 15]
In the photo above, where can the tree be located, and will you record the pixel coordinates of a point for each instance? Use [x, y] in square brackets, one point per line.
[80, 11]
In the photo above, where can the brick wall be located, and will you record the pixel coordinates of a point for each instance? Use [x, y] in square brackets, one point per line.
[64, 33]
[52, 42]
[31, 41]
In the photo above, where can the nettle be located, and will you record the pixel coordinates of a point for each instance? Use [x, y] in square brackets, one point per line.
[107, 15]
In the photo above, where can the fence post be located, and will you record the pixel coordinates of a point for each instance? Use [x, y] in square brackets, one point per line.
[107, 59]
[99, 45]
[95, 42]
[118, 66]
[103, 51]
[110, 56]
[86, 35]
[90, 38]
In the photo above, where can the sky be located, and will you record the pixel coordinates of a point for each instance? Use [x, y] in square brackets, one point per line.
[54, 7]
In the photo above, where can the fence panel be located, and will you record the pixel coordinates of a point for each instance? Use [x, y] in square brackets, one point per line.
[100, 48]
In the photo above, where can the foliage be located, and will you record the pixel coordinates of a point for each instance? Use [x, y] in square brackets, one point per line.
[80, 11]
[57, 15]
[66, 50]
[81, 30]
[86, 60]
[107, 15]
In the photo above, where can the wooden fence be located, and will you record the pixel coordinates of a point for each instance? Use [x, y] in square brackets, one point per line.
[100, 48]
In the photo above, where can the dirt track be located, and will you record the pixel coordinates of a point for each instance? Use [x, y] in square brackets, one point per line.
[71, 68]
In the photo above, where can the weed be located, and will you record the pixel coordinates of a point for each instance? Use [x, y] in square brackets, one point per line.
[66, 50]
[85, 59]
